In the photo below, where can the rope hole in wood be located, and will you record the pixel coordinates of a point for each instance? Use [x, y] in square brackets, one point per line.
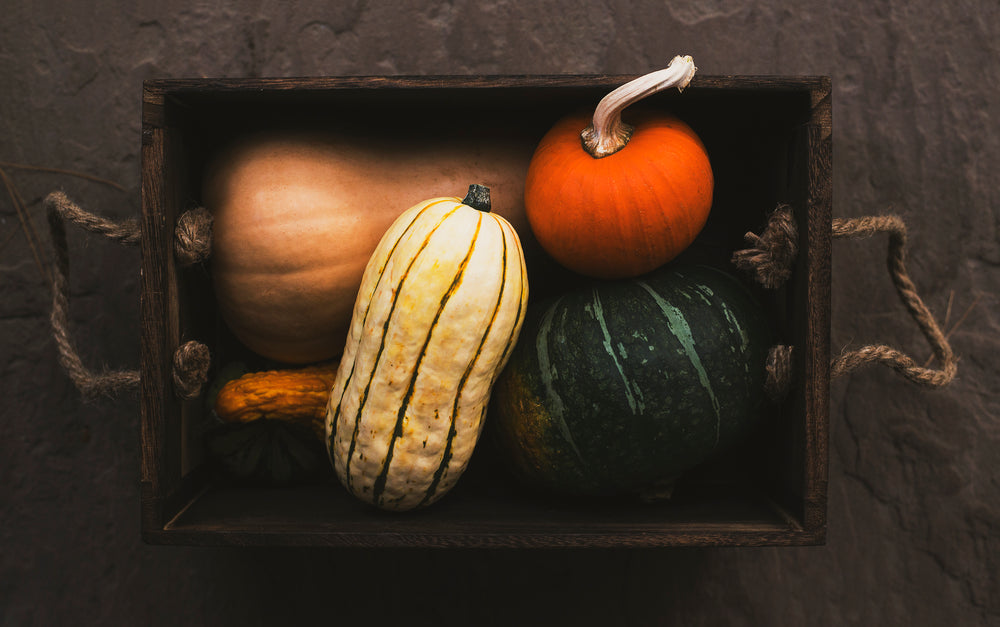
[192, 244]
[771, 256]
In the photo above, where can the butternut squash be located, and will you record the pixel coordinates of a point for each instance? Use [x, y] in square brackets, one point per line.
[298, 214]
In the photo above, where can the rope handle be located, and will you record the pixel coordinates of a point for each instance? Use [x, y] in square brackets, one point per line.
[770, 258]
[192, 244]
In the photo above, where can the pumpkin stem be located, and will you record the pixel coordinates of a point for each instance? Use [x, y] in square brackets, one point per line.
[608, 134]
[478, 198]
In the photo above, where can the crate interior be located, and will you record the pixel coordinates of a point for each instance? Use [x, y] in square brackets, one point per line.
[758, 144]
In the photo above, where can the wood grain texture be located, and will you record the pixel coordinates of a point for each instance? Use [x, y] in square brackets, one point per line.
[304, 516]
[818, 268]
[153, 314]
[179, 86]
[160, 314]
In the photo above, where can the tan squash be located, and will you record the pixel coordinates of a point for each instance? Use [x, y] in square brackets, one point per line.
[297, 216]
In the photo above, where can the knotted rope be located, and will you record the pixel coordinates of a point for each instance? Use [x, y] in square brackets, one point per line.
[772, 253]
[779, 372]
[193, 237]
[192, 244]
[770, 261]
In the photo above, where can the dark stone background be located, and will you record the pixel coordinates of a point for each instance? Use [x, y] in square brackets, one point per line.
[914, 474]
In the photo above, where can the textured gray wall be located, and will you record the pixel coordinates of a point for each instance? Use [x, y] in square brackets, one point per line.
[914, 475]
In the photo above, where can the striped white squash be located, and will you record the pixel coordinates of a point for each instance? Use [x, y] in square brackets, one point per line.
[438, 313]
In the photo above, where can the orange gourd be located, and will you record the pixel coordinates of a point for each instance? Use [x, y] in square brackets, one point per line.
[297, 395]
[616, 200]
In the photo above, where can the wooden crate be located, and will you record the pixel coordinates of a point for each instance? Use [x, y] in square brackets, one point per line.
[770, 142]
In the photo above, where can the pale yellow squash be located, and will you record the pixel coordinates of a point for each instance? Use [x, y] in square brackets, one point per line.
[437, 315]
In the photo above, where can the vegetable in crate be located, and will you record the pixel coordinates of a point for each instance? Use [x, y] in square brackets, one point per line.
[622, 386]
[616, 200]
[298, 214]
[268, 452]
[274, 423]
[439, 310]
[296, 395]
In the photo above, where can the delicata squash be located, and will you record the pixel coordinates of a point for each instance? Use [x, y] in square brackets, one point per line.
[439, 310]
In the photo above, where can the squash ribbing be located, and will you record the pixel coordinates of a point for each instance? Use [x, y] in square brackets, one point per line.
[440, 306]
[628, 384]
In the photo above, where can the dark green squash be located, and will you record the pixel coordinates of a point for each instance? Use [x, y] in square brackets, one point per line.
[274, 451]
[268, 452]
[621, 386]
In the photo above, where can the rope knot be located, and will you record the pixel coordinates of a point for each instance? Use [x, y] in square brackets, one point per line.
[193, 236]
[191, 363]
[772, 254]
[779, 372]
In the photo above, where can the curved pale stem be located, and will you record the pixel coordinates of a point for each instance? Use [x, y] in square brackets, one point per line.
[608, 134]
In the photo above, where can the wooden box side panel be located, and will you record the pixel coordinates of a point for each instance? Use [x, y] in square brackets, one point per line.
[168, 314]
[158, 312]
[819, 218]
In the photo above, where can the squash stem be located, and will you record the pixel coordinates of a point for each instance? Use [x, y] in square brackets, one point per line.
[478, 198]
[608, 134]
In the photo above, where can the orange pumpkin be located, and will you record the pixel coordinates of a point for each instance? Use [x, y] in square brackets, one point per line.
[615, 200]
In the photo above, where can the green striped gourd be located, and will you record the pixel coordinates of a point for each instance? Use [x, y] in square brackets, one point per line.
[439, 310]
[624, 385]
